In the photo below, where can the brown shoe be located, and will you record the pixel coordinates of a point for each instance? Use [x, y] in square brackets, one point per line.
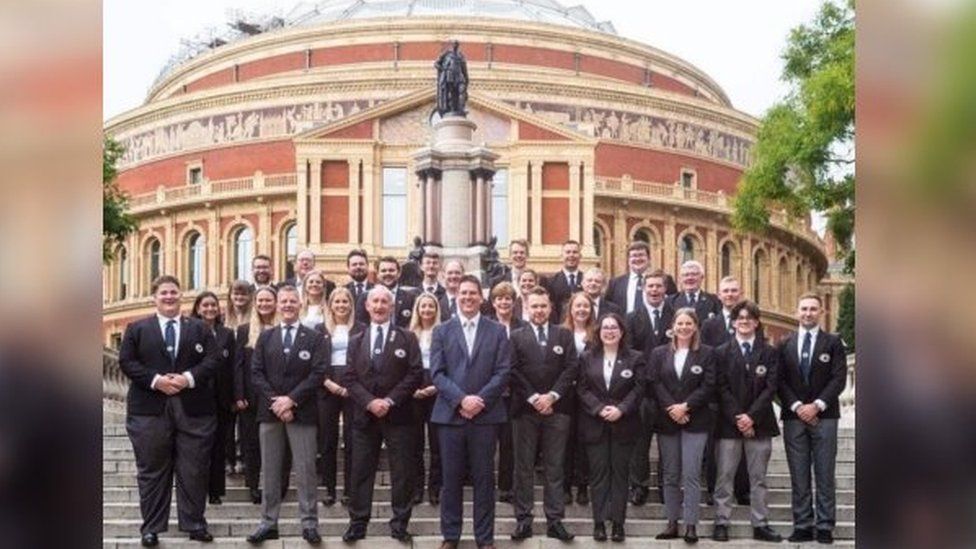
[670, 532]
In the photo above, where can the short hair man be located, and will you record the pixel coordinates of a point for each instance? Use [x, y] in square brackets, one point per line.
[544, 369]
[518, 253]
[813, 374]
[564, 283]
[691, 294]
[304, 264]
[170, 360]
[261, 270]
[430, 265]
[357, 267]
[385, 368]
[388, 275]
[594, 282]
[287, 367]
[453, 272]
[747, 380]
[626, 289]
[469, 364]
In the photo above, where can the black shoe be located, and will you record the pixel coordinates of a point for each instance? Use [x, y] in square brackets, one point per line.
[582, 496]
[801, 535]
[825, 536]
[355, 532]
[599, 532]
[263, 533]
[505, 496]
[568, 497]
[720, 533]
[523, 530]
[149, 539]
[670, 531]
[418, 497]
[617, 533]
[215, 500]
[311, 535]
[638, 495]
[765, 533]
[434, 496]
[330, 497]
[344, 500]
[744, 500]
[201, 535]
[255, 496]
[558, 531]
[709, 499]
[691, 535]
[401, 535]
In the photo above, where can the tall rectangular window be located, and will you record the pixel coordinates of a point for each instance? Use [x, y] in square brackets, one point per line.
[394, 207]
[499, 207]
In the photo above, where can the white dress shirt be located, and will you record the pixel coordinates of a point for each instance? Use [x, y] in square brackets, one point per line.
[608, 362]
[650, 312]
[340, 344]
[294, 332]
[313, 316]
[372, 334]
[470, 328]
[680, 357]
[631, 290]
[163, 320]
[580, 340]
[577, 274]
[535, 334]
[801, 335]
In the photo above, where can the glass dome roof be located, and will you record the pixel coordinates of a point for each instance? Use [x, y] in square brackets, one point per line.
[308, 14]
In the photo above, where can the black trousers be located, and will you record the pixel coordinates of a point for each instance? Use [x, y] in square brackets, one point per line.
[367, 441]
[330, 408]
[576, 469]
[230, 441]
[164, 445]
[217, 484]
[609, 471]
[426, 436]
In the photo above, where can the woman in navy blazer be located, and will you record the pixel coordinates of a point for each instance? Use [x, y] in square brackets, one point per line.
[682, 374]
[610, 389]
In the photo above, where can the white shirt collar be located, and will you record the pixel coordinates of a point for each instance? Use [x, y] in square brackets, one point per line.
[751, 341]
[567, 273]
[164, 319]
[813, 332]
[294, 325]
[464, 320]
[651, 308]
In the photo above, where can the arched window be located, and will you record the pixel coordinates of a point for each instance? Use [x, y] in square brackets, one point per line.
[243, 253]
[726, 259]
[194, 261]
[123, 281]
[759, 277]
[598, 239]
[154, 261]
[291, 249]
[784, 284]
[686, 249]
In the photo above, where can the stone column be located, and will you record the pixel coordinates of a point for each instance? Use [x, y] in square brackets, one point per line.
[619, 249]
[670, 260]
[315, 206]
[589, 216]
[712, 268]
[369, 199]
[535, 238]
[301, 201]
[746, 246]
[354, 200]
[213, 248]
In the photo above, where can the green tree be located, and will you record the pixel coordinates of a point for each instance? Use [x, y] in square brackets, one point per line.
[116, 221]
[845, 317]
[803, 158]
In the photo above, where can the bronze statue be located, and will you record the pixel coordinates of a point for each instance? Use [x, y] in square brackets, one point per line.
[452, 82]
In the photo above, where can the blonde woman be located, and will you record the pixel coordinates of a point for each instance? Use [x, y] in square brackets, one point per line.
[682, 375]
[580, 318]
[263, 317]
[340, 324]
[313, 299]
[240, 300]
[426, 315]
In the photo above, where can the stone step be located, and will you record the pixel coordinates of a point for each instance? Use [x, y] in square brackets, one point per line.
[381, 495]
[290, 526]
[172, 540]
[773, 480]
[381, 511]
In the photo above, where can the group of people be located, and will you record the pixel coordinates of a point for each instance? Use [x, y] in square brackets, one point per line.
[564, 373]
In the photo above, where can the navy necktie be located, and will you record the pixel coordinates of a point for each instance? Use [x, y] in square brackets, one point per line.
[572, 281]
[171, 339]
[691, 299]
[542, 335]
[377, 344]
[359, 289]
[805, 357]
[453, 307]
[657, 320]
[747, 351]
[288, 339]
[637, 290]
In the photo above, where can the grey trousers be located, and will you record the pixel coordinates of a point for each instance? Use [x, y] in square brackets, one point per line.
[169, 443]
[681, 456]
[728, 453]
[815, 445]
[528, 432]
[301, 439]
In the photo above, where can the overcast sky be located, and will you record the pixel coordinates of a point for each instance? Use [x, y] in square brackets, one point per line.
[737, 43]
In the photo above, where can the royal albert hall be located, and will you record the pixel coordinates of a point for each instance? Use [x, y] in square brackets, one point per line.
[297, 131]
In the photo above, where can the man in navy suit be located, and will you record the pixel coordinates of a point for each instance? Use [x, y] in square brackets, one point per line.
[813, 374]
[469, 364]
[564, 283]
[357, 266]
[171, 361]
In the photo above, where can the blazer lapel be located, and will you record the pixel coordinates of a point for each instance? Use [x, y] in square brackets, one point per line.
[388, 346]
[184, 339]
[297, 344]
[156, 333]
[615, 377]
[792, 352]
[669, 367]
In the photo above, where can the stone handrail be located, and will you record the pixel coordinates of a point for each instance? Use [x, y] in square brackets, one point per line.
[115, 384]
[847, 396]
[209, 190]
[716, 200]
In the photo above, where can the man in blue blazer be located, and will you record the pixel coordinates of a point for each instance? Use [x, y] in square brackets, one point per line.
[469, 364]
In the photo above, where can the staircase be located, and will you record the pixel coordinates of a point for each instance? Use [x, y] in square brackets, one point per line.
[232, 521]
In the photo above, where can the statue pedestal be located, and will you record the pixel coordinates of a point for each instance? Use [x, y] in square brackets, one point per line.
[455, 180]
